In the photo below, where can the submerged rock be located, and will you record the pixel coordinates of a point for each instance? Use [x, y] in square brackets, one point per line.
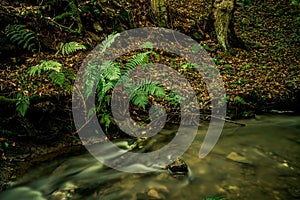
[24, 193]
[238, 158]
[152, 193]
[178, 167]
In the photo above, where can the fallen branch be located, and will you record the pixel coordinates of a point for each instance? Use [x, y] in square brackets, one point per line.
[229, 121]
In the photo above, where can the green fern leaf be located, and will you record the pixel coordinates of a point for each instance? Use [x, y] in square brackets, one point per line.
[51, 65]
[22, 104]
[139, 59]
[112, 72]
[148, 45]
[45, 65]
[92, 73]
[11, 30]
[71, 47]
[58, 78]
[109, 41]
[27, 44]
[152, 88]
[29, 36]
[35, 69]
[139, 98]
[21, 36]
[143, 90]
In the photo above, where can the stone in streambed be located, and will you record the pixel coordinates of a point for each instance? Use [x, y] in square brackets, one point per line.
[238, 158]
[178, 167]
[152, 193]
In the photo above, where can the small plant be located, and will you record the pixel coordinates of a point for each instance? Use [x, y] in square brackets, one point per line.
[22, 104]
[21, 36]
[173, 98]
[70, 47]
[144, 89]
[239, 100]
[109, 40]
[53, 70]
[45, 65]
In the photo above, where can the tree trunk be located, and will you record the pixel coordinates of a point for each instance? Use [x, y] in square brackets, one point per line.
[159, 10]
[222, 13]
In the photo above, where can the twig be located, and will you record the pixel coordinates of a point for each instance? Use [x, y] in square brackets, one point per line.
[229, 121]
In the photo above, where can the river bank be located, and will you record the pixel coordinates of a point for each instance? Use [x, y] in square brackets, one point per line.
[258, 80]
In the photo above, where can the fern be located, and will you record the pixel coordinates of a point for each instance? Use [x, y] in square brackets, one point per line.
[22, 104]
[54, 71]
[144, 89]
[45, 65]
[21, 36]
[112, 72]
[109, 71]
[108, 41]
[108, 80]
[139, 98]
[92, 73]
[60, 79]
[148, 45]
[70, 47]
[139, 59]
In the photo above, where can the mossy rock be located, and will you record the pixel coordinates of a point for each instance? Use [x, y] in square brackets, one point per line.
[178, 167]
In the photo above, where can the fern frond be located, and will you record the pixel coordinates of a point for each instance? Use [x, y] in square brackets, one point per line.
[54, 70]
[148, 45]
[139, 98]
[35, 69]
[21, 36]
[108, 80]
[22, 104]
[152, 88]
[70, 47]
[11, 30]
[92, 73]
[109, 41]
[51, 65]
[144, 89]
[59, 79]
[139, 59]
[112, 72]
[103, 91]
[45, 65]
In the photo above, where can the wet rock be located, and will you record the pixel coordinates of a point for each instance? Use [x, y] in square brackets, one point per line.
[152, 193]
[59, 195]
[238, 158]
[178, 167]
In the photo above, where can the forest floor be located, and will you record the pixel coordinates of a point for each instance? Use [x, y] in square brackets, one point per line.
[263, 78]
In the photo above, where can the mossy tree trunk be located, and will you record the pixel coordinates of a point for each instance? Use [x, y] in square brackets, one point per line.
[159, 10]
[223, 21]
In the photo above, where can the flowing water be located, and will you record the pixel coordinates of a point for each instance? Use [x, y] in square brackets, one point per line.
[258, 161]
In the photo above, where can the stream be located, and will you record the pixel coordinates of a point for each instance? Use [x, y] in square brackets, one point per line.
[258, 161]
